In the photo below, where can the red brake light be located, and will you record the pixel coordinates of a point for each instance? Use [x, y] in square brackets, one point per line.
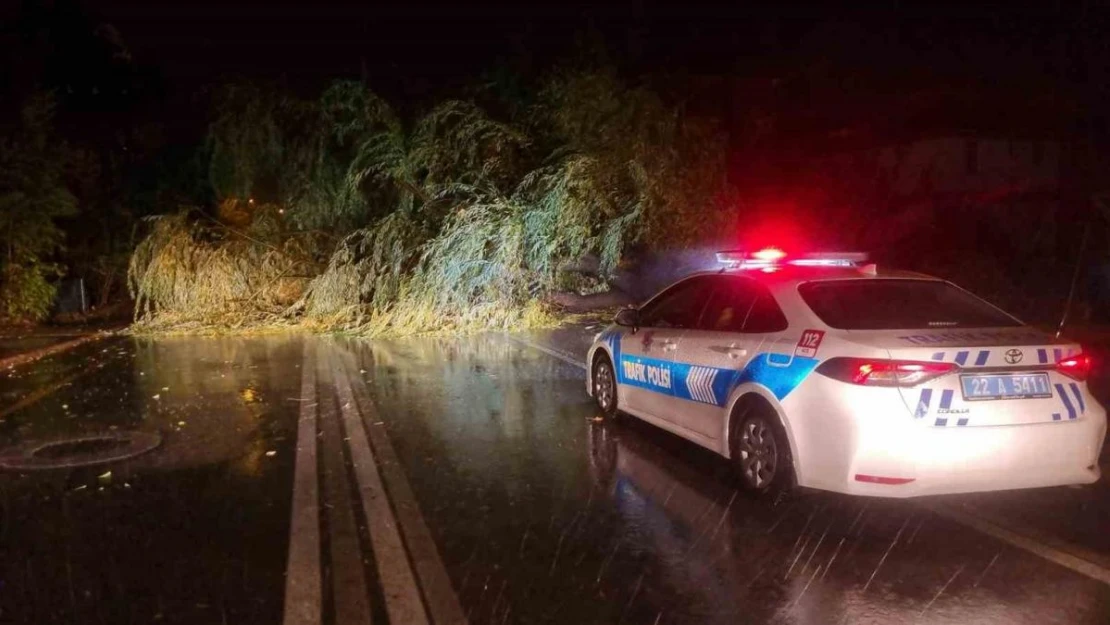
[879, 372]
[1078, 366]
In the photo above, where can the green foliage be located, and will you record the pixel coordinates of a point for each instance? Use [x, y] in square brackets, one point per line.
[456, 142]
[458, 221]
[644, 153]
[191, 271]
[32, 196]
[329, 187]
[366, 273]
[25, 293]
[245, 139]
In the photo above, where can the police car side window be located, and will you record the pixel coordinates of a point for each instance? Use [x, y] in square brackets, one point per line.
[765, 315]
[677, 307]
[729, 305]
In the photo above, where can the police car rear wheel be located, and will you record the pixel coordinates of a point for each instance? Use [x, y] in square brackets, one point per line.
[759, 451]
[759, 457]
[605, 387]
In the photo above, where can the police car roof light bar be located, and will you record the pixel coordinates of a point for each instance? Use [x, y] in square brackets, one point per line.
[774, 257]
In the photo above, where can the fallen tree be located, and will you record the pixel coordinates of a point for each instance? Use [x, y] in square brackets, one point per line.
[459, 222]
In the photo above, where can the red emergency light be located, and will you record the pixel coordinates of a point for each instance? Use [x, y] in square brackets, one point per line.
[769, 254]
[770, 258]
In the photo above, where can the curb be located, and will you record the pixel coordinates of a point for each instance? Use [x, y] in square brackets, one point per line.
[26, 357]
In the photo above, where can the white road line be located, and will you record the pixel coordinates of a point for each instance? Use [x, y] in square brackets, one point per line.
[1065, 558]
[348, 575]
[1065, 555]
[303, 604]
[402, 595]
[439, 594]
[567, 358]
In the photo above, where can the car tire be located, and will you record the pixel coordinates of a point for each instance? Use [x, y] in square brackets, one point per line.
[759, 449]
[604, 380]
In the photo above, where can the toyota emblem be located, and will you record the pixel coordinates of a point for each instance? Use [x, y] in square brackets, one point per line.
[1014, 356]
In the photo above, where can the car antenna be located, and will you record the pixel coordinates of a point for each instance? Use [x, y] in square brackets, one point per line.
[1074, 278]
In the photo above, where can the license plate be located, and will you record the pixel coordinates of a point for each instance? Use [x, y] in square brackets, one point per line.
[1005, 386]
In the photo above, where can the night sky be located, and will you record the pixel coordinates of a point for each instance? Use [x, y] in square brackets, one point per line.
[900, 69]
[410, 50]
[134, 81]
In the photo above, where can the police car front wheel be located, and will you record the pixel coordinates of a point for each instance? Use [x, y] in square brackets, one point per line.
[605, 387]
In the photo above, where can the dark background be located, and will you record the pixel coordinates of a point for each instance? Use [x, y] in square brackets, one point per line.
[791, 82]
[818, 66]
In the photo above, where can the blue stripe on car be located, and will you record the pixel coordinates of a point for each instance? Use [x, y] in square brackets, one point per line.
[938, 356]
[700, 384]
[946, 399]
[1067, 402]
[981, 359]
[961, 358]
[651, 373]
[779, 377]
[923, 403]
[1078, 397]
[779, 373]
[1042, 356]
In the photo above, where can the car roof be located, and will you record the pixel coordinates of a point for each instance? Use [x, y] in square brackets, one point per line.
[788, 276]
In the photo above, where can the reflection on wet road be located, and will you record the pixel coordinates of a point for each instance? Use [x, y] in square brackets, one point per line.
[544, 515]
[193, 532]
[449, 480]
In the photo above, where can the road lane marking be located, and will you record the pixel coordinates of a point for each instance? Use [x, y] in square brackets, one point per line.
[439, 593]
[402, 595]
[565, 357]
[1064, 554]
[350, 594]
[302, 582]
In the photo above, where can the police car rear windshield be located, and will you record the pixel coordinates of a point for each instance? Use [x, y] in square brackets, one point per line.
[899, 304]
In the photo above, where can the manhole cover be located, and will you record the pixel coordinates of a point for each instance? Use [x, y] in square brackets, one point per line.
[79, 451]
[83, 447]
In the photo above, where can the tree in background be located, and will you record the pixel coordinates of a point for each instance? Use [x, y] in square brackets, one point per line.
[456, 219]
[33, 196]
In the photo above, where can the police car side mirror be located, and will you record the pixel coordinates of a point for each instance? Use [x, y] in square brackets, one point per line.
[629, 317]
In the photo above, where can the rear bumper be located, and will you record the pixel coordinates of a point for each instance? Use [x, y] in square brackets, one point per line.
[911, 459]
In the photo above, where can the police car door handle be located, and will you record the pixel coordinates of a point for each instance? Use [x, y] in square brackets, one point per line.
[733, 350]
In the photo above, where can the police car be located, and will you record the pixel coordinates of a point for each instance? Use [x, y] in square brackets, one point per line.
[825, 372]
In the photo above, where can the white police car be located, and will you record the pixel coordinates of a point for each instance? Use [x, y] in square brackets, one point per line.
[822, 372]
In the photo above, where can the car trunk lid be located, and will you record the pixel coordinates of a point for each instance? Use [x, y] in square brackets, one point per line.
[1006, 376]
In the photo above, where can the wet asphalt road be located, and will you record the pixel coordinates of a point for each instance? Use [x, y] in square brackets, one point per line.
[194, 532]
[536, 512]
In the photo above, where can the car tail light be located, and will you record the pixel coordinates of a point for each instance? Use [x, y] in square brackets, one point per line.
[1078, 366]
[879, 372]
